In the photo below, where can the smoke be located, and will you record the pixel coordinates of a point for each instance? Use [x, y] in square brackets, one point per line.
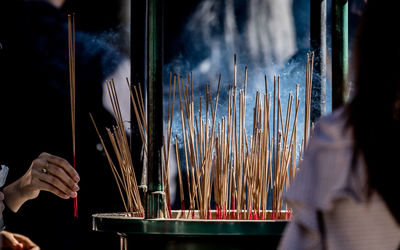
[261, 33]
[263, 36]
[112, 44]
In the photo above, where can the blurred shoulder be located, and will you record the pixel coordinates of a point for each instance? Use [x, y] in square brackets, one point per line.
[325, 171]
[332, 129]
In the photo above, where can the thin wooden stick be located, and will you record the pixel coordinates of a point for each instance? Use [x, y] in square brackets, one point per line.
[71, 57]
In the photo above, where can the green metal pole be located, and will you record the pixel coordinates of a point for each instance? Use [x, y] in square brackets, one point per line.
[340, 56]
[155, 194]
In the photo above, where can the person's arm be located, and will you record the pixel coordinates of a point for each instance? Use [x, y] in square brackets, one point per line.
[47, 172]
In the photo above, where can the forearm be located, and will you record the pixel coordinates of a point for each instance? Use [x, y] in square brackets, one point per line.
[13, 196]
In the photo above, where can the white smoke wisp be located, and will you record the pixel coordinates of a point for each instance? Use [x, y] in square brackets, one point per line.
[260, 32]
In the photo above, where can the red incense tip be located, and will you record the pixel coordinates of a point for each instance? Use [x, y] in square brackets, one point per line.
[183, 205]
[169, 209]
[76, 198]
[76, 207]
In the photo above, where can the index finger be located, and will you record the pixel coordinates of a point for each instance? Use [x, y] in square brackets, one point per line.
[63, 164]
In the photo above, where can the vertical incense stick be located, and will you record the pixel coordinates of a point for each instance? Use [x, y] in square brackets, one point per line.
[71, 60]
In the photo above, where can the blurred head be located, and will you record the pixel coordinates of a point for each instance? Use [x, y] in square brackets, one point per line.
[56, 3]
[374, 111]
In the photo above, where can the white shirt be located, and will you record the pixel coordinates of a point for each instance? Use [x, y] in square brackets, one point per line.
[327, 183]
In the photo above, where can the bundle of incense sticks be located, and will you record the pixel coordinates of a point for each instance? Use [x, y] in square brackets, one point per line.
[240, 170]
[140, 115]
[125, 176]
[243, 173]
[71, 61]
[199, 144]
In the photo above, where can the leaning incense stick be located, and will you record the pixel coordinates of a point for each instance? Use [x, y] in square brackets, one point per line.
[181, 193]
[71, 60]
[113, 169]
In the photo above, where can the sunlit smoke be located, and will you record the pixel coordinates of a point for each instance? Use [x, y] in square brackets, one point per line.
[261, 33]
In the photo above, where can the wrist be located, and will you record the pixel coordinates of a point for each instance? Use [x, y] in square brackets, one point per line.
[16, 194]
[23, 188]
[9, 194]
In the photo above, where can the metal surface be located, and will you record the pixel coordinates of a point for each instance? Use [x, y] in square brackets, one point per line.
[154, 203]
[119, 222]
[318, 46]
[339, 52]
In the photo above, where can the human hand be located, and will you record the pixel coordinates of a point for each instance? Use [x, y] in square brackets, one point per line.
[16, 241]
[47, 172]
[50, 173]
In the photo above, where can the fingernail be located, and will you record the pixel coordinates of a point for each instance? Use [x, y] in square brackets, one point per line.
[73, 194]
[65, 196]
[76, 178]
[76, 187]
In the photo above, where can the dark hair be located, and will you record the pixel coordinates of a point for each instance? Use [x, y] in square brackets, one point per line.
[374, 111]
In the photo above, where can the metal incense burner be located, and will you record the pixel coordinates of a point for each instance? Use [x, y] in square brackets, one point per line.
[194, 233]
[181, 232]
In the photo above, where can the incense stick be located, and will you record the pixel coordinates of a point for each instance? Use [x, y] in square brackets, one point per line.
[71, 61]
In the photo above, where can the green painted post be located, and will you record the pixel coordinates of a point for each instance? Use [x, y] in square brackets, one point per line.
[340, 56]
[155, 194]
